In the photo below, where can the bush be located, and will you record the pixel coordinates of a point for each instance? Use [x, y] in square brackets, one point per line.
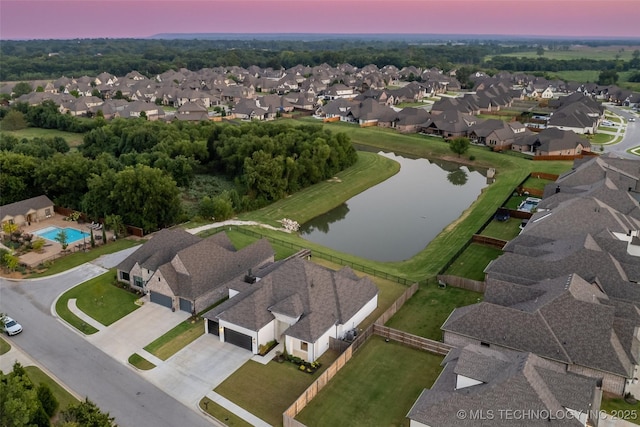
[472, 157]
[47, 400]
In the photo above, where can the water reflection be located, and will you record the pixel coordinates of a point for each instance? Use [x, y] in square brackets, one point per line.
[397, 218]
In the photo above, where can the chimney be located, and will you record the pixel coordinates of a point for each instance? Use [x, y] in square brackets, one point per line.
[557, 189]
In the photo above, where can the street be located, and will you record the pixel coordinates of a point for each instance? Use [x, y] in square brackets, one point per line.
[115, 387]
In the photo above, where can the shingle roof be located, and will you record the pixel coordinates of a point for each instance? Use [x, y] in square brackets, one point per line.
[322, 297]
[24, 206]
[509, 381]
[158, 250]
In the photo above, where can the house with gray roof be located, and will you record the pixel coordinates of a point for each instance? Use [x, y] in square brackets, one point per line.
[296, 302]
[182, 271]
[27, 211]
[551, 142]
[586, 226]
[480, 386]
[563, 320]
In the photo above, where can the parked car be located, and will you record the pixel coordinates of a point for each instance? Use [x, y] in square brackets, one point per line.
[632, 119]
[11, 327]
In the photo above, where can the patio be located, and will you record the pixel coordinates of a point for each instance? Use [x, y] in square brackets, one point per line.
[52, 249]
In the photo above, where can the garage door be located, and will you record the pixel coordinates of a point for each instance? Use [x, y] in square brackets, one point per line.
[236, 338]
[213, 327]
[185, 305]
[161, 299]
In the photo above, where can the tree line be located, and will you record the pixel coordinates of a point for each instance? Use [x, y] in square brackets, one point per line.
[137, 169]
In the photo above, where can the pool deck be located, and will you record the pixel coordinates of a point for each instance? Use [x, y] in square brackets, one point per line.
[53, 250]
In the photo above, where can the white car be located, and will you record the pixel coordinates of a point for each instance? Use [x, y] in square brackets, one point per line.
[11, 327]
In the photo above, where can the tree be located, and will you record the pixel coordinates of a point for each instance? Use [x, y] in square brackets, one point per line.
[85, 414]
[115, 224]
[92, 240]
[47, 399]
[14, 120]
[608, 77]
[10, 261]
[19, 404]
[9, 228]
[540, 51]
[37, 244]
[62, 238]
[21, 88]
[459, 145]
[104, 235]
[457, 177]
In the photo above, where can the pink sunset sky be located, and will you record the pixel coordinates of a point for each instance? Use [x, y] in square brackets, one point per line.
[27, 19]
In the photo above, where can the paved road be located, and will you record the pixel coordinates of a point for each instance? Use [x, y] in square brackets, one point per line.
[114, 387]
[631, 136]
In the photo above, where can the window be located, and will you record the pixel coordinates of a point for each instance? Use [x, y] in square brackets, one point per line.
[304, 346]
[137, 281]
[47, 212]
[484, 344]
[124, 275]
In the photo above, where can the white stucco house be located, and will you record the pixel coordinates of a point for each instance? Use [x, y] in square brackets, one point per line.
[296, 302]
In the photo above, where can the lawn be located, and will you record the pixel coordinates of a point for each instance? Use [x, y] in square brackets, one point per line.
[378, 387]
[473, 261]
[140, 362]
[504, 230]
[4, 346]
[73, 139]
[618, 406]
[268, 390]
[98, 298]
[222, 414]
[514, 202]
[176, 339]
[598, 53]
[78, 258]
[64, 398]
[601, 138]
[537, 183]
[241, 240]
[427, 310]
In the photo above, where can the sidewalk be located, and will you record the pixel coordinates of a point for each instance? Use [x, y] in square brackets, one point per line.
[245, 415]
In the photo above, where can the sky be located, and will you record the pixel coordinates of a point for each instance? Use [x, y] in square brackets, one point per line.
[69, 19]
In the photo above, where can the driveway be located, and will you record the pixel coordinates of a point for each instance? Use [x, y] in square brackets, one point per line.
[136, 330]
[197, 369]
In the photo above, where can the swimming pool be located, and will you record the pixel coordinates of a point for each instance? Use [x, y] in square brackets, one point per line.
[50, 233]
[529, 204]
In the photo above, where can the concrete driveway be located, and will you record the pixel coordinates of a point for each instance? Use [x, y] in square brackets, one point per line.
[189, 374]
[136, 330]
[197, 369]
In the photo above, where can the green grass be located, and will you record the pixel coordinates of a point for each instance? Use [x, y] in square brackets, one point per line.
[268, 390]
[601, 138]
[221, 414]
[78, 258]
[64, 398]
[537, 183]
[504, 230]
[98, 298]
[598, 53]
[176, 339]
[473, 261]
[618, 406]
[607, 129]
[410, 104]
[4, 346]
[427, 310]
[241, 240]
[73, 139]
[140, 362]
[496, 116]
[304, 205]
[378, 387]
[514, 202]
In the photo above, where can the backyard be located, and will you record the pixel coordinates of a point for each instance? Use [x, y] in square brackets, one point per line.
[379, 373]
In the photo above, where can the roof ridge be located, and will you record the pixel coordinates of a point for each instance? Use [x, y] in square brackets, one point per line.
[553, 334]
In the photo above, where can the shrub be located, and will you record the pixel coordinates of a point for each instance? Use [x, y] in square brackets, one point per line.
[47, 399]
[472, 157]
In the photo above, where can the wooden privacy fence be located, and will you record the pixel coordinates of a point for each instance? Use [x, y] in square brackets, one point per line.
[324, 378]
[461, 282]
[488, 241]
[414, 341]
[131, 230]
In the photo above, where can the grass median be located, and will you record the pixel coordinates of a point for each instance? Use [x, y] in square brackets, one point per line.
[176, 339]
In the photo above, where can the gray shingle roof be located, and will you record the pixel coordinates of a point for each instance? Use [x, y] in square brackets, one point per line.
[158, 250]
[322, 297]
[24, 206]
[516, 381]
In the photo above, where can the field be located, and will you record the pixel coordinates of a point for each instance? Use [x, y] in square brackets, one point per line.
[73, 139]
[581, 51]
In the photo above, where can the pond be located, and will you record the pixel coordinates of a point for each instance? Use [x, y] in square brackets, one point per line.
[397, 218]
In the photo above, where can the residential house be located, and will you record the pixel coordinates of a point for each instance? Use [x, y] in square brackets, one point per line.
[192, 111]
[480, 386]
[296, 302]
[248, 109]
[409, 119]
[552, 142]
[27, 211]
[182, 271]
[448, 124]
[561, 319]
[497, 134]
